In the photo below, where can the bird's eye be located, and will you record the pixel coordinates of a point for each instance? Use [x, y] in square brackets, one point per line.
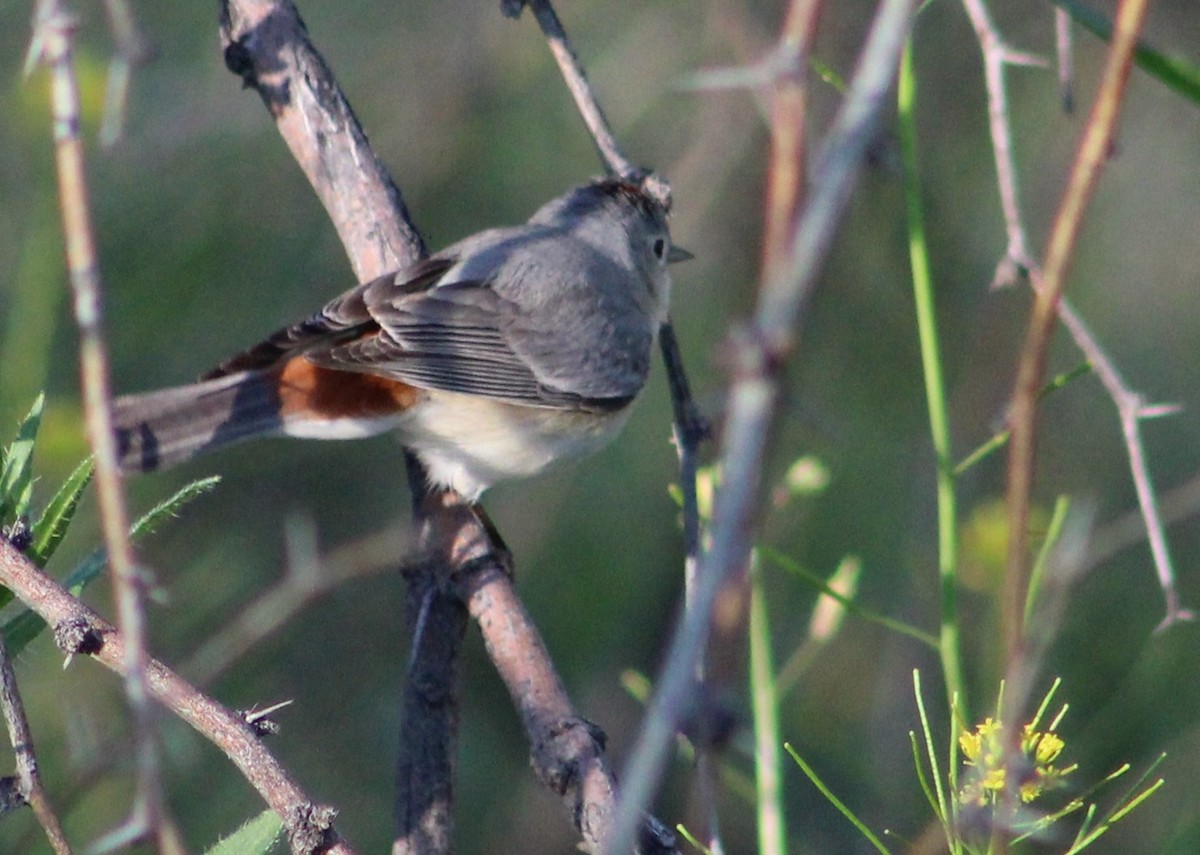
[660, 248]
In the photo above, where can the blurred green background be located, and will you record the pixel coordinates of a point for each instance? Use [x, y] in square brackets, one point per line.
[210, 238]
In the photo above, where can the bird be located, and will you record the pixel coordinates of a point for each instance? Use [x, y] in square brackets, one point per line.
[502, 354]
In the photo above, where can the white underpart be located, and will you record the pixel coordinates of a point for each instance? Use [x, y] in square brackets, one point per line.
[340, 428]
[468, 443]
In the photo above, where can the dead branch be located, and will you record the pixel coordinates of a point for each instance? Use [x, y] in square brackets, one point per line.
[79, 631]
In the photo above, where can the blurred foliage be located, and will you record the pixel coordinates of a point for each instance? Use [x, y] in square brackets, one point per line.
[210, 238]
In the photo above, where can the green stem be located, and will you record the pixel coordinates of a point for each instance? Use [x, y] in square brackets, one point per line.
[935, 391]
[764, 697]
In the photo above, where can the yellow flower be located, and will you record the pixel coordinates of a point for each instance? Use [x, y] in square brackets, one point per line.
[1048, 749]
[984, 750]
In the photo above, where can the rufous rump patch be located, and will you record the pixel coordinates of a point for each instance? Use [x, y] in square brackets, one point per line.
[326, 393]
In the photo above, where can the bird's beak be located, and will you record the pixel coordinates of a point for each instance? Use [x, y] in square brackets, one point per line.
[678, 254]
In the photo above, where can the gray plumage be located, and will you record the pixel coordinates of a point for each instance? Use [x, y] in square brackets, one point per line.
[559, 314]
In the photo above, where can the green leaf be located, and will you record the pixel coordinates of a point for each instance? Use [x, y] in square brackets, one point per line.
[764, 695]
[812, 776]
[152, 519]
[256, 837]
[1175, 72]
[16, 476]
[27, 625]
[51, 527]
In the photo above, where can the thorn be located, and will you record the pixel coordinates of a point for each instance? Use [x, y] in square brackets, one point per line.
[1157, 411]
[1067, 96]
[1175, 615]
[260, 719]
[33, 56]
[1009, 56]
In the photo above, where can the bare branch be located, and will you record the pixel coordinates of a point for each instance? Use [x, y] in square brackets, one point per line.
[305, 582]
[577, 84]
[21, 738]
[567, 750]
[1017, 256]
[1090, 159]
[757, 356]
[424, 805]
[54, 30]
[132, 49]
[80, 631]
[1130, 408]
[265, 44]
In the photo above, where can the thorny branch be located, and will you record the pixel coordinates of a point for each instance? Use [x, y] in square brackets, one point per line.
[52, 38]
[307, 578]
[1090, 159]
[577, 84]
[132, 49]
[80, 631]
[757, 355]
[21, 737]
[1131, 407]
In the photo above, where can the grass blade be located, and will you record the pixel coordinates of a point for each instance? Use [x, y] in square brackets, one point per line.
[1176, 73]
[764, 699]
[835, 801]
[16, 475]
[51, 527]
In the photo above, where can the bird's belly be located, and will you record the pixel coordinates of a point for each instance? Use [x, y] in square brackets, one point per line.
[469, 443]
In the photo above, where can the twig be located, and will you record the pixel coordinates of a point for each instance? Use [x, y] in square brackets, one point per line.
[302, 584]
[689, 428]
[53, 30]
[787, 161]
[689, 431]
[996, 55]
[1063, 54]
[757, 356]
[131, 50]
[567, 752]
[786, 164]
[1129, 404]
[80, 631]
[1132, 409]
[547, 710]
[1090, 159]
[424, 805]
[265, 43]
[577, 84]
[784, 193]
[26, 756]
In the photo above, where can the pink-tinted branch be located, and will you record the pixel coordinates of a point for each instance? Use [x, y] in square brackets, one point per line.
[756, 356]
[52, 43]
[1090, 159]
[1131, 409]
[21, 737]
[79, 631]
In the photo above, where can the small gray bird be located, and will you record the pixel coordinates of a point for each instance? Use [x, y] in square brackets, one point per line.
[494, 358]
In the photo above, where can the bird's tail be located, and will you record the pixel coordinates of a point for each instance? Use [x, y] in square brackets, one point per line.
[163, 428]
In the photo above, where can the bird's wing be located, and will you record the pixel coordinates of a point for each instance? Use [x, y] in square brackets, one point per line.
[458, 336]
